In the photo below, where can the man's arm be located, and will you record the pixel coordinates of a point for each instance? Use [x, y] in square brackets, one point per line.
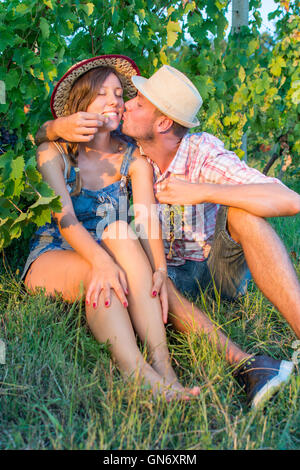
[78, 127]
[262, 200]
[224, 179]
[46, 133]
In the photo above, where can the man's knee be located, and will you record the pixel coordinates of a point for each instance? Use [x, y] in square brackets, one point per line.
[241, 223]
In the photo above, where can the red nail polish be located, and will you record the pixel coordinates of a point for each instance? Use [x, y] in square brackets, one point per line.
[106, 303]
[94, 304]
[154, 293]
[87, 302]
[125, 304]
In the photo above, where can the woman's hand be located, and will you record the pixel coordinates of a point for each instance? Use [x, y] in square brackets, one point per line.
[105, 276]
[160, 278]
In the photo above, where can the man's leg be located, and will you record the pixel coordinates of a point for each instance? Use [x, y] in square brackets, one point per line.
[186, 316]
[260, 376]
[269, 263]
[227, 269]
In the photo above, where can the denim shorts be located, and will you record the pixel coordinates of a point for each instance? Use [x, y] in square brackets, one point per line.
[225, 270]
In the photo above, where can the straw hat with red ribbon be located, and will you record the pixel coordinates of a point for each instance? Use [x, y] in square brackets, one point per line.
[124, 66]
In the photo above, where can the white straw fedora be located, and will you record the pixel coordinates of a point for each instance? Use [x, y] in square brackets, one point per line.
[172, 93]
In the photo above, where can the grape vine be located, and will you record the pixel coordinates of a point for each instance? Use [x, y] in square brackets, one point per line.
[249, 83]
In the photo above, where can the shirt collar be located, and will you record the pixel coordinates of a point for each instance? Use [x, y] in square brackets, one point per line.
[178, 164]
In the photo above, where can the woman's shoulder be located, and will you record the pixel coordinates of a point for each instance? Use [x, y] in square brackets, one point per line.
[139, 163]
[50, 152]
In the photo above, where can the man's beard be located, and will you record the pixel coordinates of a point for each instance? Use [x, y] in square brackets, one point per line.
[147, 136]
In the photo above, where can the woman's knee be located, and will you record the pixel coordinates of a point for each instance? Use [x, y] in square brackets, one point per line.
[118, 230]
[120, 239]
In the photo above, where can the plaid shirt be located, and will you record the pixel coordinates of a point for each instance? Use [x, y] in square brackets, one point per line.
[201, 158]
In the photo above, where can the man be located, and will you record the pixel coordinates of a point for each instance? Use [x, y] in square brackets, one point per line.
[196, 170]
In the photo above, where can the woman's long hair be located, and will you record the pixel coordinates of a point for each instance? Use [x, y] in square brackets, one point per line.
[82, 94]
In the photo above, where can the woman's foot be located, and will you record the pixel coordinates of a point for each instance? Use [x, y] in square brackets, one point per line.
[173, 389]
[168, 387]
[184, 395]
[176, 391]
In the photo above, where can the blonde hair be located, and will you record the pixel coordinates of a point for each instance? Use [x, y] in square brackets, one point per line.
[82, 94]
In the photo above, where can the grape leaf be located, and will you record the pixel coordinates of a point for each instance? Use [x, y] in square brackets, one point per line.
[17, 167]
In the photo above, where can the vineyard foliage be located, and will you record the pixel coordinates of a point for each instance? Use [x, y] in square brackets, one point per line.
[250, 83]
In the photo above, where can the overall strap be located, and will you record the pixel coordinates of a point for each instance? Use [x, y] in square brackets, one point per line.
[61, 151]
[127, 159]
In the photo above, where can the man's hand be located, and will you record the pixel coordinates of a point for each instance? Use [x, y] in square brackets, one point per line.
[78, 127]
[176, 191]
[260, 199]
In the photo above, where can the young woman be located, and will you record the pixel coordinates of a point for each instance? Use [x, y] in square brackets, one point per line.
[87, 245]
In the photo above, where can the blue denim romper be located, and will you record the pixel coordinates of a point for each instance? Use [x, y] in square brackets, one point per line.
[94, 209]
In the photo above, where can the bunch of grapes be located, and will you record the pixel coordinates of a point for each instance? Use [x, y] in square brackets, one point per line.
[7, 139]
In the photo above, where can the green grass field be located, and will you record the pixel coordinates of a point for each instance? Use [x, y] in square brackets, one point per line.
[60, 390]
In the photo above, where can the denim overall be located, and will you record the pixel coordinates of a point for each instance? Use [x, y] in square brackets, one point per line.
[94, 209]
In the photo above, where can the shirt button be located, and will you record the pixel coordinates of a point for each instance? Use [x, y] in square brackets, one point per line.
[102, 213]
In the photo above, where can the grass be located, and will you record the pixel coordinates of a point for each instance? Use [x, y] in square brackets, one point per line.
[60, 390]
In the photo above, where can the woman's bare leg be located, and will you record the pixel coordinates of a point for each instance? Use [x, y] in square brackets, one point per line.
[145, 310]
[66, 272]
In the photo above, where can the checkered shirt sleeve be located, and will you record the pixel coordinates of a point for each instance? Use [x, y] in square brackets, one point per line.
[221, 166]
